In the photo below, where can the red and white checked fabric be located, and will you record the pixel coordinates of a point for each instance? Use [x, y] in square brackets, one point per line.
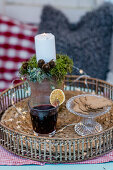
[7, 158]
[16, 46]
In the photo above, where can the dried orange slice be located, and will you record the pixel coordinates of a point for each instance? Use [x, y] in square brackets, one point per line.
[57, 96]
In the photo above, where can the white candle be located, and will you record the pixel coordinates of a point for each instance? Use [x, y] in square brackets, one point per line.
[45, 47]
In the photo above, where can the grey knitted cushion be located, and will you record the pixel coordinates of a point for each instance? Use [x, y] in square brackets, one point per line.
[87, 42]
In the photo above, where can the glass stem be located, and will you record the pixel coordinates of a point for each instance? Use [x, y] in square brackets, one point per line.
[88, 122]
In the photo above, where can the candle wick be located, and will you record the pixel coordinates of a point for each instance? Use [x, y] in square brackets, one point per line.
[44, 34]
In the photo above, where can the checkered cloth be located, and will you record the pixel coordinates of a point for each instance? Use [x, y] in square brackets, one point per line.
[7, 158]
[16, 46]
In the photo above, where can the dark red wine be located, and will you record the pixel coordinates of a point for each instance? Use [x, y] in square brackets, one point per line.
[44, 118]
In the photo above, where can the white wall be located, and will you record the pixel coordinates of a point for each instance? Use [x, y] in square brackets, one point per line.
[2, 6]
[109, 0]
[30, 10]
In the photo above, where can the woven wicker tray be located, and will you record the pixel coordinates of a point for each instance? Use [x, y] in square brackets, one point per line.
[17, 134]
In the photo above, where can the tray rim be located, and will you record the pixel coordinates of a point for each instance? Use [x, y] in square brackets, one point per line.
[54, 161]
[53, 138]
[93, 152]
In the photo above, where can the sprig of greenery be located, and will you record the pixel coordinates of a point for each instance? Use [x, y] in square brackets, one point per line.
[63, 65]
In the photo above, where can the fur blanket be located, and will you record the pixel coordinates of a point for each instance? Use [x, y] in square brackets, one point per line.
[87, 42]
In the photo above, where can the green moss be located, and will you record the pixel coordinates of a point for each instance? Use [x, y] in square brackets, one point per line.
[32, 63]
[63, 65]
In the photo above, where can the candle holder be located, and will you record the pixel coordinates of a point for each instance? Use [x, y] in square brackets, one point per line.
[44, 88]
[44, 77]
[39, 89]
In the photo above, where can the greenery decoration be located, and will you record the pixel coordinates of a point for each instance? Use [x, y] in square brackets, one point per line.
[57, 70]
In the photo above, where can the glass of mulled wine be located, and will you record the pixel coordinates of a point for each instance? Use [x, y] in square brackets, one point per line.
[43, 115]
